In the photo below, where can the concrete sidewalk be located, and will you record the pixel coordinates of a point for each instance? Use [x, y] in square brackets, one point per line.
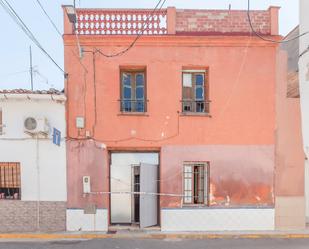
[303, 234]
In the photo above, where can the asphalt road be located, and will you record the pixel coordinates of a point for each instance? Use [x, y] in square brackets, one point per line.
[162, 244]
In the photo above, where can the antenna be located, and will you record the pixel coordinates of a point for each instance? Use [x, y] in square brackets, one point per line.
[31, 69]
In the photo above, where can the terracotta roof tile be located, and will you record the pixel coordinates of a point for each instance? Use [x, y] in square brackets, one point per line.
[25, 91]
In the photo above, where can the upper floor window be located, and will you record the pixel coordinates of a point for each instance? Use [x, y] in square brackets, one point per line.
[196, 181]
[194, 91]
[133, 91]
[10, 181]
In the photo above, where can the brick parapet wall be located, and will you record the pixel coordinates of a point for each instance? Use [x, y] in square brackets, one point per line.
[222, 21]
[171, 21]
[21, 216]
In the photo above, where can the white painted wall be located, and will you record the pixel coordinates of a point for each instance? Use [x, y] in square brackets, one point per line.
[304, 84]
[77, 220]
[307, 190]
[208, 219]
[17, 146]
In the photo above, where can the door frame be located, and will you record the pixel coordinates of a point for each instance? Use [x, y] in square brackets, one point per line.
[112, 150]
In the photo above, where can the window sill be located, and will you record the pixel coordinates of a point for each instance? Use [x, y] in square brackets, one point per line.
[10, 199]
[142, 114]
[196, 114]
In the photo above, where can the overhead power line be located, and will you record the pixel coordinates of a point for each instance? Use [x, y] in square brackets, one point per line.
[44, 78]
[14, 73]
[17, 19]
[304, 52]
[48, 17]
[268, 39]
[141, 32]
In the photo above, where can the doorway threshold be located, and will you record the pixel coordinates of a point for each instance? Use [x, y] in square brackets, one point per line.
[134, 228]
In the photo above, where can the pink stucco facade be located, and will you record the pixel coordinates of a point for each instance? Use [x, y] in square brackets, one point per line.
[231, 123]
[290, 157]
[237, 137]
[91, 161]
[233, 182]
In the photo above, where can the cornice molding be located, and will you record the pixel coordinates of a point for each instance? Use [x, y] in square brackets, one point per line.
[166, 40]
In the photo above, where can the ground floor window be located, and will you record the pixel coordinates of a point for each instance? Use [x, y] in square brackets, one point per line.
[10, 181]
[196, 181]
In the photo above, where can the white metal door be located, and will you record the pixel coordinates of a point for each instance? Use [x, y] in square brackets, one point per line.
[148, 201]
[120, 203]
[121, 181]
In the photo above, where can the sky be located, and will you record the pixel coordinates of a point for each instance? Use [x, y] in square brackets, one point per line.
[14, 49]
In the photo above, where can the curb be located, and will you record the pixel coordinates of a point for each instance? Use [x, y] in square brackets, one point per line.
[44, 236]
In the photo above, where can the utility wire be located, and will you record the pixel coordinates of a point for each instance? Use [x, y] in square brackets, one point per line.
[160, 3]
[14, 73]
[304, 52]
[44, 78]
[137, 37]
[49, 18]
[17, 19]
[268, 39]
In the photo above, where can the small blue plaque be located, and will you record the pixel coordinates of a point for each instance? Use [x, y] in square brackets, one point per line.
[56, 137]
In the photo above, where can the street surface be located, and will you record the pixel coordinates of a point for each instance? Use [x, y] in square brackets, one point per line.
[161, 244]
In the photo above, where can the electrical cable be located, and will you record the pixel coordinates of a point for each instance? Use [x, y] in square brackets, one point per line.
[268, 39]
[17, 19]
[114, 55]
[14, 73]
[127, 139]
[304, 52]
[49, 18]
[95, 94]
[137, 37]
[118, 54]
[135, 193]
[44, 78]
[76, 35]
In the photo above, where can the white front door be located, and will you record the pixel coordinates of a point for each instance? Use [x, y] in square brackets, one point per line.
[121, 184]
[120, 197]
[148, 200]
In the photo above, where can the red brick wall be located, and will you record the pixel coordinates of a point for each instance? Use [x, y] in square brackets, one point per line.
[222, 21]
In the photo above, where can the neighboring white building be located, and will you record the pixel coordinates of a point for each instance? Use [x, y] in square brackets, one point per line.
[32, 168]
[304, 86]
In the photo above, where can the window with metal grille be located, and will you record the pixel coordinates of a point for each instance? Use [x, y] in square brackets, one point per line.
[196, 181]
[194, 91]
[133, 91]
[10, 181]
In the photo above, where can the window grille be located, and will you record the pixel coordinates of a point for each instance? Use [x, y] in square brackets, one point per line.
[194, 92]
[10, 181]
[133, 92]
[196, 181]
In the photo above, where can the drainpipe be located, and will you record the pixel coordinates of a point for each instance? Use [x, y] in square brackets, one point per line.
[38, 182]
[307, 182]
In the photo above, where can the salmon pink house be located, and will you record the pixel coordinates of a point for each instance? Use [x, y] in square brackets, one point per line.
[171, 120]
